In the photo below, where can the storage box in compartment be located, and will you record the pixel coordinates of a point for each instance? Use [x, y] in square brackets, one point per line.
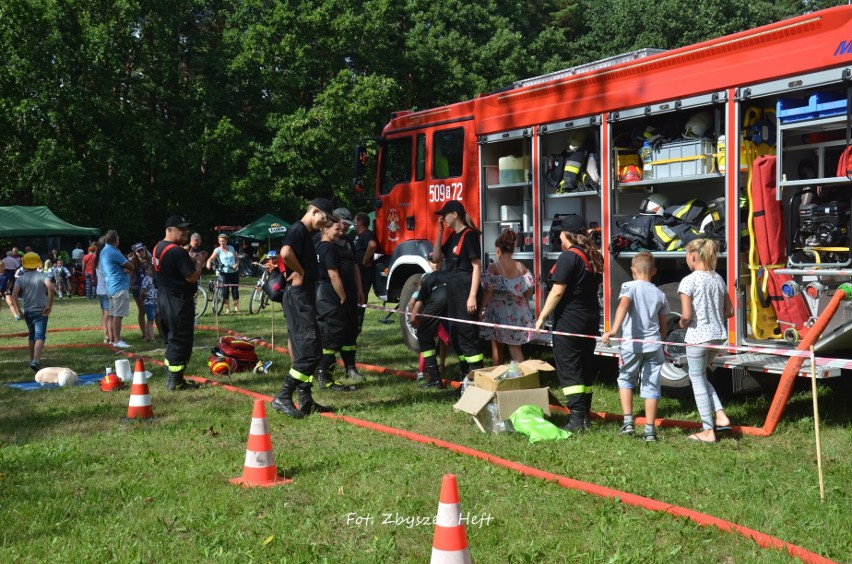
[683, 158]
[513, 170]
[492, 175]
[818, 104]
[510, 213]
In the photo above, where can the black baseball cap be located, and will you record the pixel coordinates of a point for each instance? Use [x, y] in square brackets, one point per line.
[137, 247]
[177, 220]
[345, 216]
[325, 206]
[452, 206]
[571, 223]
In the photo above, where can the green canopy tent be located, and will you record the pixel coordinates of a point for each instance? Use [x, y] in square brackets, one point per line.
[37, 221]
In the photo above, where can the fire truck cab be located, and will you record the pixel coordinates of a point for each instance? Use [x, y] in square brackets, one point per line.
[749, 132]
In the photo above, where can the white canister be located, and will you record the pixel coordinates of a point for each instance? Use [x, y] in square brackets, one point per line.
[122, 370]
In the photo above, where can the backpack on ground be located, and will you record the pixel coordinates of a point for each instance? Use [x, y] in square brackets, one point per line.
[232, 354]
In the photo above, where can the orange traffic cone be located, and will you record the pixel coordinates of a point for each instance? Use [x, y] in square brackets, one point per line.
[259, 468]
[140, 399]
[450, 543]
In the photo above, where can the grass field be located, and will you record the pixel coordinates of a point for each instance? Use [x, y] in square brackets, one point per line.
[78, 484]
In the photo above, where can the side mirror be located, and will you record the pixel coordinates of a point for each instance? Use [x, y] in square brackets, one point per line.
[360, 161]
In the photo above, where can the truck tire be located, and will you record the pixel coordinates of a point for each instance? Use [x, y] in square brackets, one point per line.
[409, 333]
[672, 375]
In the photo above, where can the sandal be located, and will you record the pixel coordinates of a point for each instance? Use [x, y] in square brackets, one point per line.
[696, 439]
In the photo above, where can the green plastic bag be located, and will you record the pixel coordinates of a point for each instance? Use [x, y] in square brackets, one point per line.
[529, 420]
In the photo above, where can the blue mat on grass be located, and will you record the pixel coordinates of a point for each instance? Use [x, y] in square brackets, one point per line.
[82, 380]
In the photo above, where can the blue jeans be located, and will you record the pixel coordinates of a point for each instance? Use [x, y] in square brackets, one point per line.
[37, 325]
[706, 399]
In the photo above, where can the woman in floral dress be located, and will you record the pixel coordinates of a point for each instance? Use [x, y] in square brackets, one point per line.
[508, 285]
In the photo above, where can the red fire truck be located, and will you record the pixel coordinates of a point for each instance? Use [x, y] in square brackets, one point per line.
[753, 125]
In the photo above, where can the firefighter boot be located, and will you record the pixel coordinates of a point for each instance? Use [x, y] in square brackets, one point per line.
[175, 381]
[435, 380]
[325, 381]
[352, 373]
[307, 405]
[587, 402]
[283, 402]
[577, 404]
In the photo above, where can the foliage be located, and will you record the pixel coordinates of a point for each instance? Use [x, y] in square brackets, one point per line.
[118, 112]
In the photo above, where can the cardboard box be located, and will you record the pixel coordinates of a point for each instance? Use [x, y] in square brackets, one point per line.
[475, 402]
[487, 378]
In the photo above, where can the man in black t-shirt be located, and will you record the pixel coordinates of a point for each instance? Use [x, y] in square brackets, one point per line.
[177, 280]
[302, 271]
[365, 248]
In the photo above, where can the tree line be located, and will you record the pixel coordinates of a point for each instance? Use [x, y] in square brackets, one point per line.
[117, 112]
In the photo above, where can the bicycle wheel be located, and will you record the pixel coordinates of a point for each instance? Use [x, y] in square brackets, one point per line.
[201, 300]
[256, 302]
[218, 302]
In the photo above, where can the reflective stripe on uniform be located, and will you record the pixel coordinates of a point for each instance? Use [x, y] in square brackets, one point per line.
[475, 358]
[348, 348]
[301, 377]
[427, 354]
[571, 390]
[329, 351]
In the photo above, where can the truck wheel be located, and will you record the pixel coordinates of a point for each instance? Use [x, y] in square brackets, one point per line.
[409, 333]
[674, 374]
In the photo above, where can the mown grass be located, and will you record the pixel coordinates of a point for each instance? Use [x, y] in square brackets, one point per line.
[78, 484]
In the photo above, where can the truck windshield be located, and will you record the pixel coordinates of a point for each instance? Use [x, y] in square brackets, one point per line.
[396, 163]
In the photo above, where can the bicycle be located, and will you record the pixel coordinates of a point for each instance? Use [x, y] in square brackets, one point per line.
[259, 300]
[201, 300]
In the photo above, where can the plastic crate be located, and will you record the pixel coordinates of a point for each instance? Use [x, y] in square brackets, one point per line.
[818, 104]
[683, 158]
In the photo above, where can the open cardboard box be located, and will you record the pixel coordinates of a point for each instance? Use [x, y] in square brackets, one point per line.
[475, 400]
[486, 378]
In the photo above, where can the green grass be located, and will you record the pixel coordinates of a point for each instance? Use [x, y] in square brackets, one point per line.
[78, 484]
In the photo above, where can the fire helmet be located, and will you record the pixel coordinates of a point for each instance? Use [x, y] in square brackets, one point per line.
[698, 125]
[654, 204]
[222, 364]
[111, 382]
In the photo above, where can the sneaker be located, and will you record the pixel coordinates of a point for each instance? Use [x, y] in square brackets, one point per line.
[627, 429]
[650, 437]
[420, 376]
[35, 365]
[120, 345]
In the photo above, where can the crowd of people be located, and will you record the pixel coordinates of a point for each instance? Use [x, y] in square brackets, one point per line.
[329, 274]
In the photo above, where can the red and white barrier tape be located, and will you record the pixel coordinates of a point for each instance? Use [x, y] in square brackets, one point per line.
[834, 362]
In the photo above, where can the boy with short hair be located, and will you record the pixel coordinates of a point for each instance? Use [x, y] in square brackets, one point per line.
[641, 316]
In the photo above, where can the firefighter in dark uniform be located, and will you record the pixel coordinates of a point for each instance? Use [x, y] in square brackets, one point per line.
[365, 249]
[177, 280]
[573, 299]
[462, 253]
[301, 269]
[335, 291]
[350, 272]
[431, 301]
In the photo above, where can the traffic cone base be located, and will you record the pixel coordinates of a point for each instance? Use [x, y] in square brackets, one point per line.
[140, 406]
[259, 468]
[449, 545]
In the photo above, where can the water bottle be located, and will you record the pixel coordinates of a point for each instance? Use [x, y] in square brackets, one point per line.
[497, 424]
[646, 153]
[465, 384]
[514, 370]
[720, 154]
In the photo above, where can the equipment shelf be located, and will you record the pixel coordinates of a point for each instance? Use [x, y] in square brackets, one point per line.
[574, 194]
[628, 186]
[523, 184]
